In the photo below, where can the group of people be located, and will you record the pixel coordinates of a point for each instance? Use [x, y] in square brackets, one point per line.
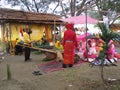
[91, 51]
[94, 46]
[69, 45]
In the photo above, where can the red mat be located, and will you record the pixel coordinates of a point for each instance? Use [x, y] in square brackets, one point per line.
[54, 66]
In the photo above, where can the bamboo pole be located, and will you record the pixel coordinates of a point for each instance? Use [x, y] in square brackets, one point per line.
[41, 49]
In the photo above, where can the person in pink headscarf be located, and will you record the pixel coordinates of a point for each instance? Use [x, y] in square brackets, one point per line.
[111, 53]
[111, 50]
[69, 43]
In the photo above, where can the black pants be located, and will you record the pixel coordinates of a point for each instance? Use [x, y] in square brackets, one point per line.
[27, 53]
[69, 65]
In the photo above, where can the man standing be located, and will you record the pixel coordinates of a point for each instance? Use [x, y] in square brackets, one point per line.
[27, 44]
[69, 43]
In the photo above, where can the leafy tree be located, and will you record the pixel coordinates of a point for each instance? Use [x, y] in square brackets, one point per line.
[106, 36]
[67, 8]
[30, 5]
[64, 8]
[108, 8]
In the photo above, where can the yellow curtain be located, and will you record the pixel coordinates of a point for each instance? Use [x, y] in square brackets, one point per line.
[48, 33]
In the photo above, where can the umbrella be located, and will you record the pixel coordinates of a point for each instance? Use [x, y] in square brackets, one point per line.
[80, 20]
[91, 37]
[83, 36]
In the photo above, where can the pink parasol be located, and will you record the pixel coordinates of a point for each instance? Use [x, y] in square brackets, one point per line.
[80, 20]
[83, 36]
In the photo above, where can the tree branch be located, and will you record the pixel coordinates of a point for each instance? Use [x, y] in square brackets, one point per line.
[72, 7]
[64, 14]
[26, 4]
[56, 6]
[80, 8]
[36, 5]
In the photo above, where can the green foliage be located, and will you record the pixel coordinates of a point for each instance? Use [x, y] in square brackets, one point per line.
[108, 34]
[116, 36]
[44, 6]
[48, 59]
[113, 5]
[106, 37]
[94, 14]
[102, 55]
[38, 52]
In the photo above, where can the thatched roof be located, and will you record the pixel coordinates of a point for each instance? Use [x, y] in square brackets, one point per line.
[10, 15]
[115, 27]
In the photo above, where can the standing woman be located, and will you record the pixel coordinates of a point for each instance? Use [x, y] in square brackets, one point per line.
[69, 43]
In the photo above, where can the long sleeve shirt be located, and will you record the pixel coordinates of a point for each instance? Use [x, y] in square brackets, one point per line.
[70, 35]
[26, 38]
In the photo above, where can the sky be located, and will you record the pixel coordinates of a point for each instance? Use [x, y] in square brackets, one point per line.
[5, 5]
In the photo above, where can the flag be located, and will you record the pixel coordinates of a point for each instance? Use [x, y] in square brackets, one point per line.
[21, 33]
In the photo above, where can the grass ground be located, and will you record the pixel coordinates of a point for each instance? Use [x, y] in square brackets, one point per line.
[82, 77]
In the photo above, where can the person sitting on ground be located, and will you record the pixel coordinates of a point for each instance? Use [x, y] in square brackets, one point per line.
[91, 54]
[18, 48]
[44, 41]
[58, 45]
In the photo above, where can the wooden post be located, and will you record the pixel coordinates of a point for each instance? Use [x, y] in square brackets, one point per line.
[2, 33]
[8, 72]
[54, 32]
[10, 32]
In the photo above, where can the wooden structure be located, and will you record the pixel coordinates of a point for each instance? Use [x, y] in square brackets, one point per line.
[115, 27]
[12, 20]
[10, 15]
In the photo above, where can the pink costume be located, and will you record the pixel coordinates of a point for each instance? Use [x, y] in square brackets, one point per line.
[91, 50]
[111, 50]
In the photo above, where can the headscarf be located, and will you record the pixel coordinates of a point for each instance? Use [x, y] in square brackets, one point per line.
[69, 26]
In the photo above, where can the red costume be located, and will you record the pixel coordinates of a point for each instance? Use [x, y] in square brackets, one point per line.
[69, 44]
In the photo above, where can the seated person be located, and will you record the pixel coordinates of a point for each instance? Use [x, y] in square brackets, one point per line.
[18, 48]
[58, 45]
[44, 41]
[99, 44]
[91, 51]
[111, 52]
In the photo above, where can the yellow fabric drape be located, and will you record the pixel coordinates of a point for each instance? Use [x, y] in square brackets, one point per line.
[48, 33]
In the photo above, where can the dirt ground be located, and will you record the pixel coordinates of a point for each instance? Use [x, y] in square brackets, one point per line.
[82, 77]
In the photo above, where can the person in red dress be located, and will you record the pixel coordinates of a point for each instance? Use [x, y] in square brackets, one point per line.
[69, 43]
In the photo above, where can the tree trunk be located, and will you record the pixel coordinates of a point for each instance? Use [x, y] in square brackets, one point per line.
[102, 71]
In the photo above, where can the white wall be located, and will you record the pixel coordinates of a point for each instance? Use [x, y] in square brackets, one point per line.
[91, 28]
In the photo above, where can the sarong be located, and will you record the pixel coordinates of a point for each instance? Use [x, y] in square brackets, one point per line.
[69, 53]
